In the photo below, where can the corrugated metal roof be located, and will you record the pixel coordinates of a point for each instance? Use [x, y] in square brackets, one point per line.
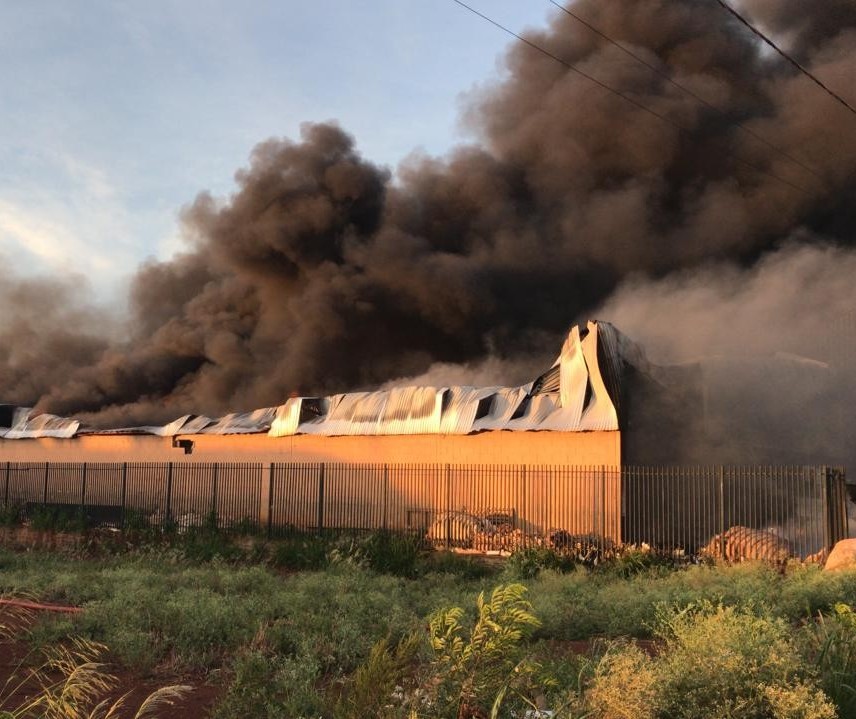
[572, 396]
[259, 420]
[43, 425]
[412, 410]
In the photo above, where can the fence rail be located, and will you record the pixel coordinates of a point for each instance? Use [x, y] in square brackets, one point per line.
[730, 511]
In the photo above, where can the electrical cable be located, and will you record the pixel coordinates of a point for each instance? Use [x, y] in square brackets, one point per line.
[623, 95]
[805, 71]
[685, 89]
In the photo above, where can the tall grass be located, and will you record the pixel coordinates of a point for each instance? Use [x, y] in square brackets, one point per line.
[71, 682]
[307, 643]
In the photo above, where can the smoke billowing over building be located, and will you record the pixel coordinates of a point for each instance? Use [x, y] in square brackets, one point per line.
[324, 273]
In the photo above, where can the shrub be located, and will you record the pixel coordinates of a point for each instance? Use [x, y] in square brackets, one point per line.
[527, 563]
[624, 685]
[136, 521]
[204, 544]
[266, 686]
[832, 648]
[391, 553]
[631, 560]
[723, 662]
[300, 553]
[622, 561]
[246, 527]
[378, 682]
[10, 516]
[800, 701]
[443, 562]
[59, 519]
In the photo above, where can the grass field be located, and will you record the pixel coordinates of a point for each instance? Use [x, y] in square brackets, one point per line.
[374, 628]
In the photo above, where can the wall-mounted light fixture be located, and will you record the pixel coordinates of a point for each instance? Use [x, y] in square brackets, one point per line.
[185, 444]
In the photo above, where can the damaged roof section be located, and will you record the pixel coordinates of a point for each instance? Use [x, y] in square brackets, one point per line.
[580, 392]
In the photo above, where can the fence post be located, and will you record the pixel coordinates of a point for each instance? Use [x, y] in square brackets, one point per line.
[841, 484]
[214, 494]
[6, 491]
[45, 493]
[448, 506]
[168, 513]
[83, 486]
[523, 505]
[124, 487]
[603, 508]
[385, 495]
[271, 483]
[721, 512]
[320, 521]
[836, 506]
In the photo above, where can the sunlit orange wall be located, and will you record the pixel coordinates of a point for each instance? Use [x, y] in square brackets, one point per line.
[576, 448]
[581, 505]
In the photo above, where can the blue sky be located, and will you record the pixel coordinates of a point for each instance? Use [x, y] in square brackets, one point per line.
[115, 113]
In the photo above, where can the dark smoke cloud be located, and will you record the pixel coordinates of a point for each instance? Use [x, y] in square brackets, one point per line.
[320, 274]
[48, 332]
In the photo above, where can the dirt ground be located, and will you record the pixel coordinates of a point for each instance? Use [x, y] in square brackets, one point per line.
[17, 659]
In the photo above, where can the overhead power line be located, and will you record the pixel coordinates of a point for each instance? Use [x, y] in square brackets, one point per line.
[624, 96]
[668, 78]
[805, 71]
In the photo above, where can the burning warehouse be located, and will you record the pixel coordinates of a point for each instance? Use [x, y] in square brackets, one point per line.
[569, 415]
[720, 228]
[600, 403]
[542, 459]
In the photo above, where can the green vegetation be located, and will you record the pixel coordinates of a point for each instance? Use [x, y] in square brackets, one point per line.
[373, 626]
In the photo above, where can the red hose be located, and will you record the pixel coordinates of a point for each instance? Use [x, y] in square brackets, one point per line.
[23, 604]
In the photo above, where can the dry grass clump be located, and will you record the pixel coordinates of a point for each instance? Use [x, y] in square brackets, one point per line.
[72, 683]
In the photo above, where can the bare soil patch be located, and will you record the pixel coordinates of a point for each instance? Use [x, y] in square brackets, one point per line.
[17, 659]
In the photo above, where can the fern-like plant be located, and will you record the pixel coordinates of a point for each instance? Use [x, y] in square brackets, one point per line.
[476, 669]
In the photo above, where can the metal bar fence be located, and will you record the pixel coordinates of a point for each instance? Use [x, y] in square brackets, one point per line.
[723, 511]
[134, 495]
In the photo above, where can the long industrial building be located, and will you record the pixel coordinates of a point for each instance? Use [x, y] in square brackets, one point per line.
[555, 459]
[570, 416]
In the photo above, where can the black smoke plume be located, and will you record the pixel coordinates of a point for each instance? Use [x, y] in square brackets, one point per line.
[321, 274]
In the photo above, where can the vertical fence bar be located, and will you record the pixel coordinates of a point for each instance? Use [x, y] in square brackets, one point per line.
[83, 488]
[168, 511]
[842, 503]
[45, 493]
[124, 488]
[448, 506]
[214, 513]
[602, 508]
[523, 510]
[721, 512]
[385, 496]
[272, 469]
[822, 480]
[6, 490]
[320, 515]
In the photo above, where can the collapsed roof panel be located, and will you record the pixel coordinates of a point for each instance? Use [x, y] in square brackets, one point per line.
[572, 396]
[42, 425]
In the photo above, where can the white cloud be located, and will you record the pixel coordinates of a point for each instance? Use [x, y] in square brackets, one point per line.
[21, 230]
[66, 215]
